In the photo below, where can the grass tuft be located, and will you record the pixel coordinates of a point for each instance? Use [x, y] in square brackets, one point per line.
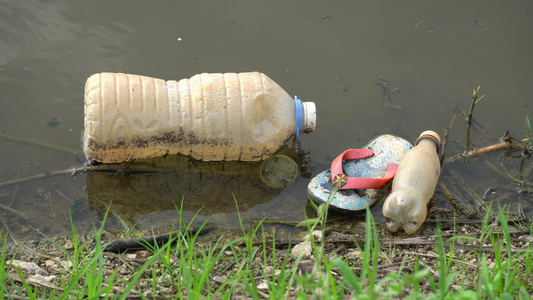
[257, 266]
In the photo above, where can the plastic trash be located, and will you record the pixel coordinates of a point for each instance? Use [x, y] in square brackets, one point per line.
[209, 117]
[387, 150]
[414, 185]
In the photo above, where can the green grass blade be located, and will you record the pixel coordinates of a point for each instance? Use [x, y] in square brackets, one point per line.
[348, 275]
[156, 255]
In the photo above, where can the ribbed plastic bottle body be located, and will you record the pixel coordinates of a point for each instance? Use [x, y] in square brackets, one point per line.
[210, 117]
[412, 187]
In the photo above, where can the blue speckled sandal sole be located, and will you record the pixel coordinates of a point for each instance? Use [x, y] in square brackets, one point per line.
[388, 149]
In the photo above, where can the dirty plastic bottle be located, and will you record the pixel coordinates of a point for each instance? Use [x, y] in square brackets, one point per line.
[210, 117]
[414, 185]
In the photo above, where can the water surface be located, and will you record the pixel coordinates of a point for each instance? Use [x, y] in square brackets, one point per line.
[430, 53]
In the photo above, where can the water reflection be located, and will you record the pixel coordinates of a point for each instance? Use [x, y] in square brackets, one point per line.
[482, 185]
[206, 188]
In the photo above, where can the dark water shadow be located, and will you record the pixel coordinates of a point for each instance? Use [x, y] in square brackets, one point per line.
[200, 190]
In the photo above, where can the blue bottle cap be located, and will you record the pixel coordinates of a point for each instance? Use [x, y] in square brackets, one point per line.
[298, 104]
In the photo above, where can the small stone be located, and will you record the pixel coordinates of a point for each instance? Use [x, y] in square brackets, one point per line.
[219, 279]
[142, 254]
[304, 249]
[50, 263]
[165, 290]
[30, 267]
[317, 234]
[68, 245]
[124, 270]
[456, 287]
[262, 286]
[355, 254]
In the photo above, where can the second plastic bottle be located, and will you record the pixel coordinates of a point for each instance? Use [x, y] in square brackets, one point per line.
[413, 185]
[210, 117]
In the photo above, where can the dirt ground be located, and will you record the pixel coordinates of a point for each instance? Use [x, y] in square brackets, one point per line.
[44, 264]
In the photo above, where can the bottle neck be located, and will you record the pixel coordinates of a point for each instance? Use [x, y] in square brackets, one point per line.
[428, 142]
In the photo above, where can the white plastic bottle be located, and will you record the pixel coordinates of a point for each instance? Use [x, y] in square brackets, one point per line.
[210, 117]
[414, 185]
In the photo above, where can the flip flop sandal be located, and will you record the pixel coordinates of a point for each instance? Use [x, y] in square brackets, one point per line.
[359, 174]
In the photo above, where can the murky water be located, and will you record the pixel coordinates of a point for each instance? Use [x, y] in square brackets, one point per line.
[430, 53]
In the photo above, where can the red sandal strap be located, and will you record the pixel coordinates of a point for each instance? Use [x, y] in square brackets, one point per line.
[339, 178]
